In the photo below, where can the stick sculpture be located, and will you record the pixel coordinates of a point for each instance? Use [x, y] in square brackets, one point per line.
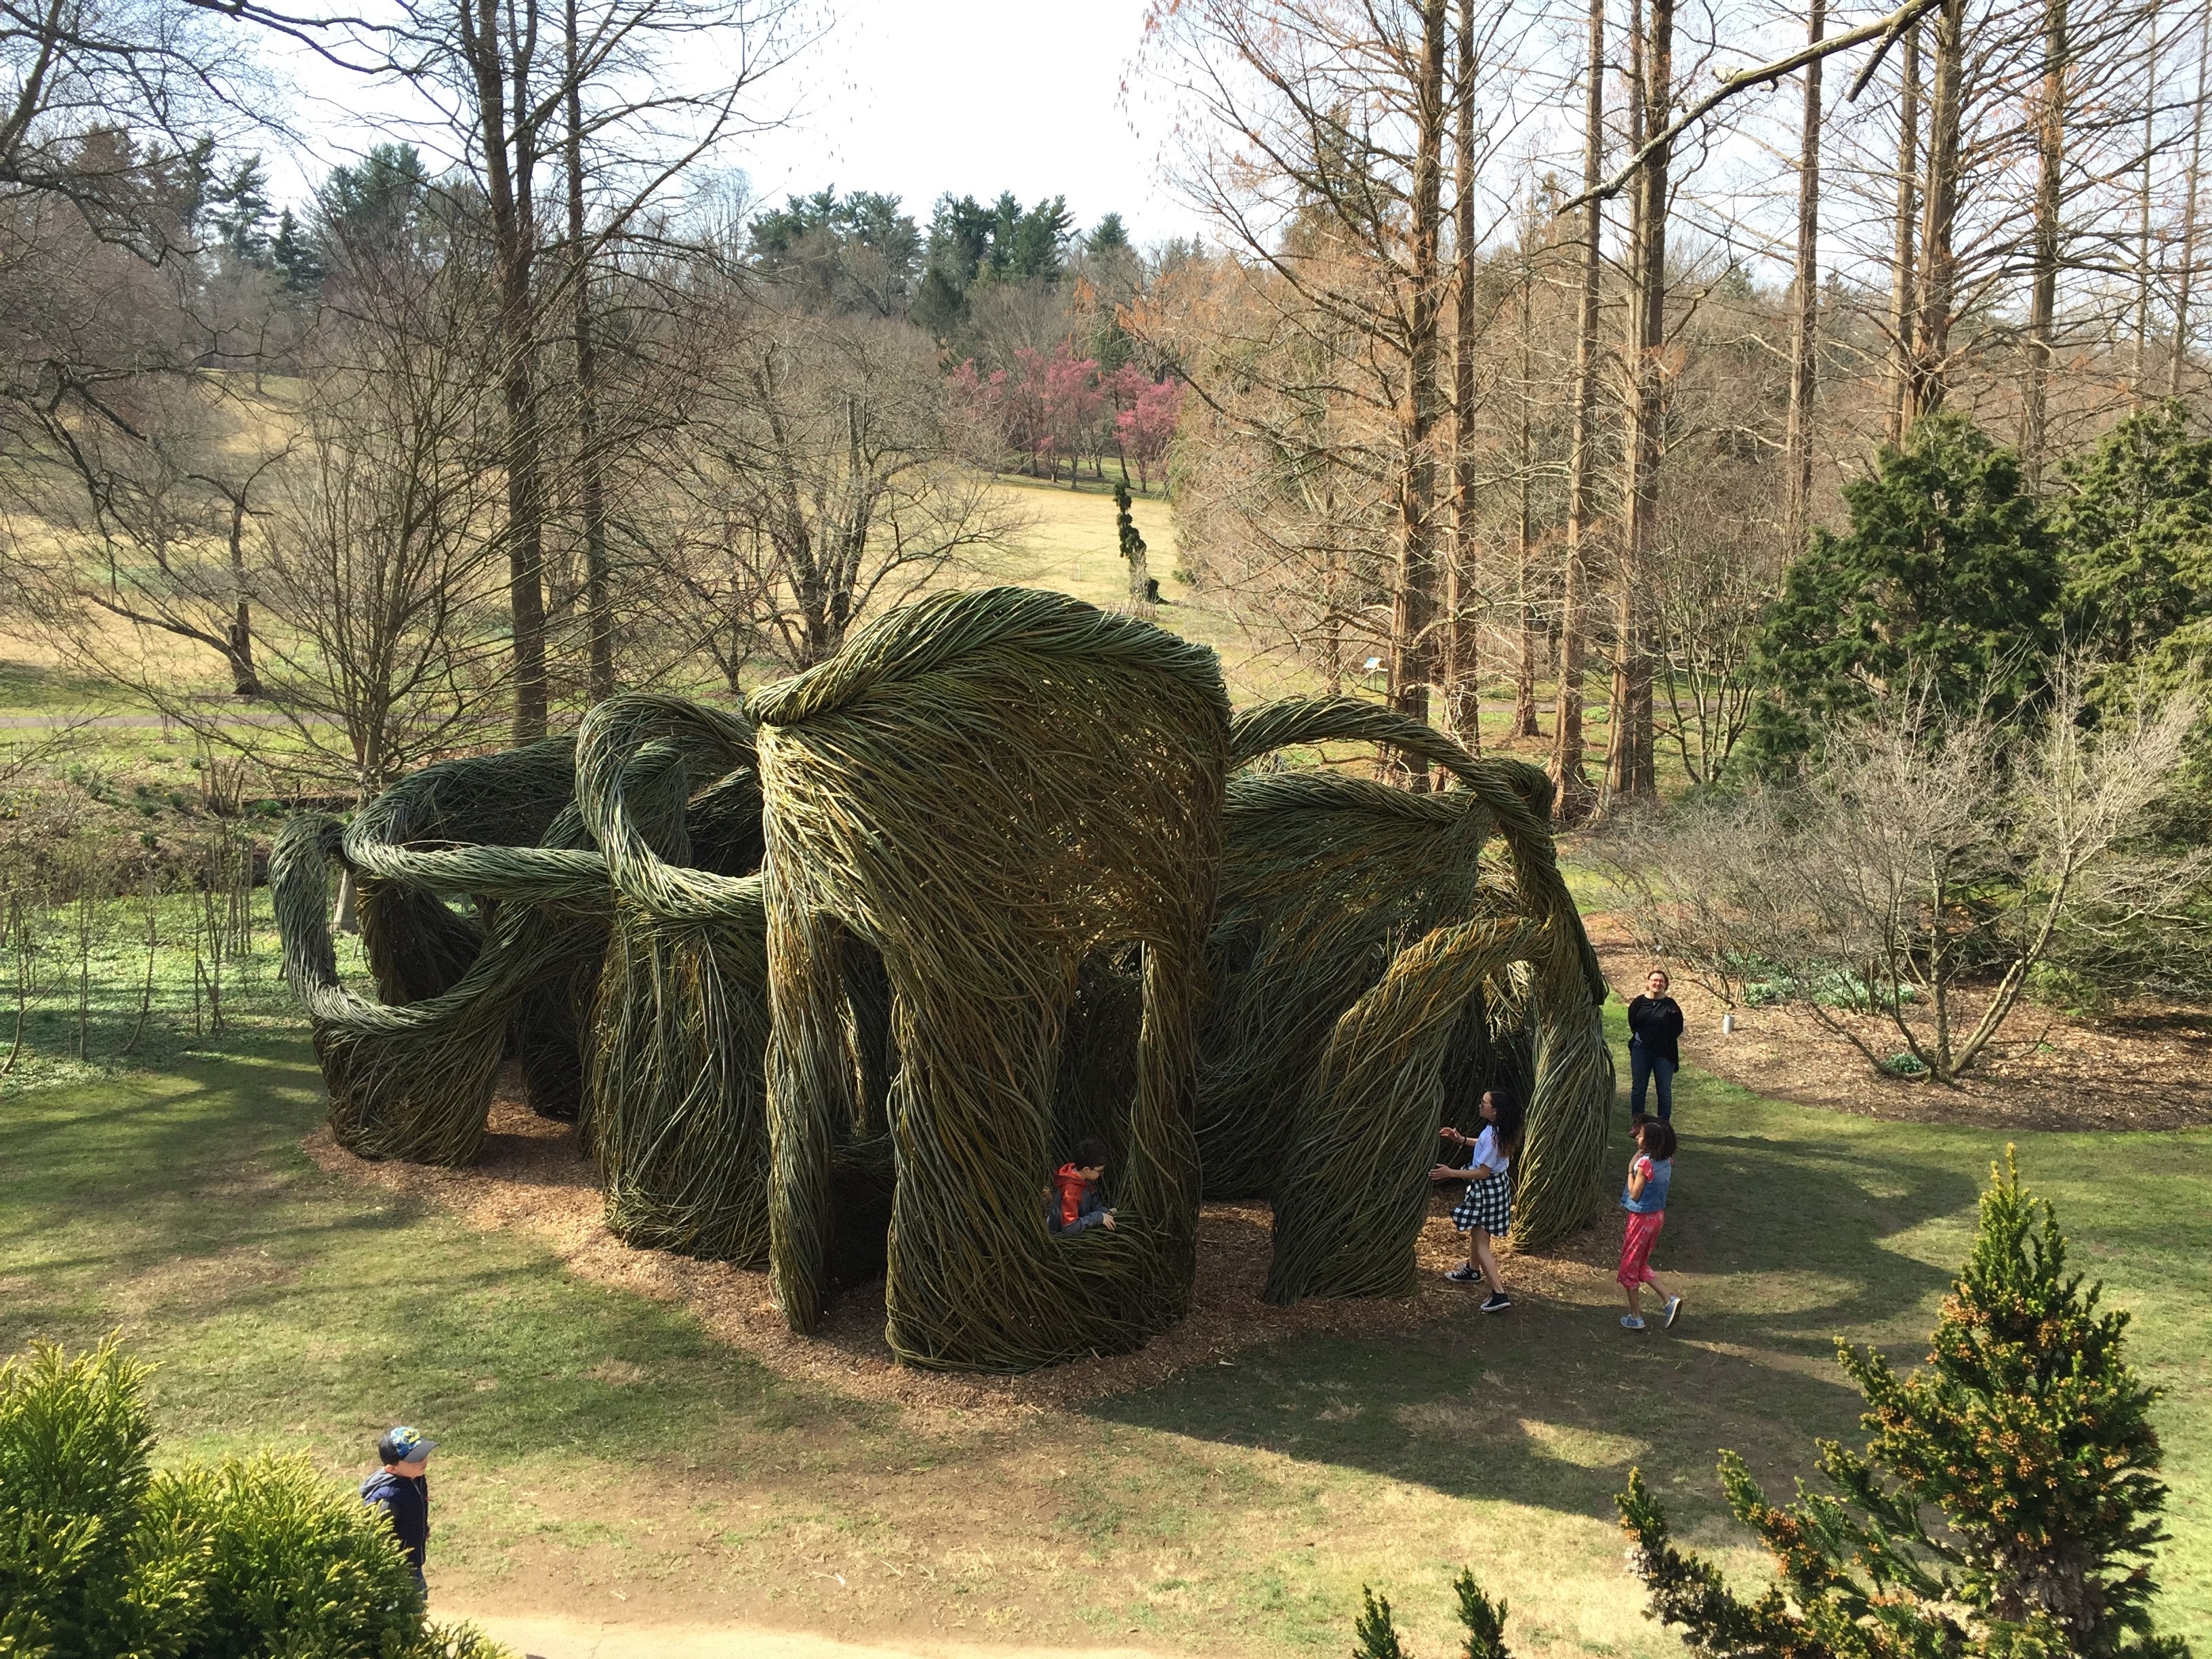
[845, 975]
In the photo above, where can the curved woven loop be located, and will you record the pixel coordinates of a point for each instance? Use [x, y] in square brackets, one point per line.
[414, 1080]
[1354, 1189]
[1325, 878]
[990, 789]
[1519, 792]
[497, 810]
[944, 628]
[608, 738]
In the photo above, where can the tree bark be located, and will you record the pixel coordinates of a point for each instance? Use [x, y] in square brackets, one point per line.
[1571, 789]
[1630, 748]
[493, 53]
[1931, 366]
[1904, 312]
[1524, 670]
[1804, 343]
[599, 605]
[1415, 602]
[2043, 292]
[2187, 278]
[2139, 382]
[1462, 681]
[244, 678]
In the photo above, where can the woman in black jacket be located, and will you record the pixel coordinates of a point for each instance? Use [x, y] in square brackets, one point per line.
[1654, 1023]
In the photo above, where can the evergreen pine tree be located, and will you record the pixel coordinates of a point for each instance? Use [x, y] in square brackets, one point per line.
[1378, 1635]
[2134, 529]
[2006, 1504]
[1945, 580]
[1485, 1620]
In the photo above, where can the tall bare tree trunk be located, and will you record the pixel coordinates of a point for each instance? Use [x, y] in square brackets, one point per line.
[2042, 293]
[509, 188]
[1571, 794]
[1462, 675]
[598, 602]
[1904, 280]
[1524, 668]
[2140, 380]
[1630, 750]
[1804, 344]
[1415, 602]
[2187, 278]
[1931, 366]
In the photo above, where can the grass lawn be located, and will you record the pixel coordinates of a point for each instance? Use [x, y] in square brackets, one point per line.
[602, 1458]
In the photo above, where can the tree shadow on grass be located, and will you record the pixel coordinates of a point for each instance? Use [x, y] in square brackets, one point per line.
[1778, 1245]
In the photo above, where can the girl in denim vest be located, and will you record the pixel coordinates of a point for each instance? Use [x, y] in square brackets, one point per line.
[1644, 1198]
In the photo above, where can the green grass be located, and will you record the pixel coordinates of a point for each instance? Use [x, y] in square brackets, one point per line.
[598, 1444]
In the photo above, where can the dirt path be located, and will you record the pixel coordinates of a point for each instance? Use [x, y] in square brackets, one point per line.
[579, 1638]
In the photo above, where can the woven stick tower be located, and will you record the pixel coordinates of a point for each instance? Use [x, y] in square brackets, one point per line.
[1375, 947]
[674, 1112]
[990, 790]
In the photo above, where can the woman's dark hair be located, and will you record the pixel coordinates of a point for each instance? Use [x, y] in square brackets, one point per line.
[1658, 1139]
[1507, 1105]
[1090, 1155]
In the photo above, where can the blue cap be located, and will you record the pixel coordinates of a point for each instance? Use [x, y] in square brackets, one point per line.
[404, 1445]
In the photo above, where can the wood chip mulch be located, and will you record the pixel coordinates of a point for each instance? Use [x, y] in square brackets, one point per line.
[2146, 1066]
[532, 1177]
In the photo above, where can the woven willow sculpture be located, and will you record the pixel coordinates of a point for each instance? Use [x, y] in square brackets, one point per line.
[1368, 950]
[844, 977]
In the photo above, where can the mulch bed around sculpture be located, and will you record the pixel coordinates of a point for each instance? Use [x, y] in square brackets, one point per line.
[532, 1176]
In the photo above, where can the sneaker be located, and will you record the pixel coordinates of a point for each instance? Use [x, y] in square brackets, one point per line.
[1497, 1302]
[1464, 1276]
[1674, 1307]
[1631, 1322]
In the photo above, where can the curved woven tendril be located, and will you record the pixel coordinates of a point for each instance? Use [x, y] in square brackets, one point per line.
[1354, 1190]
[1326, 882]
[418, 945]
[674, 1111]
[414, 1080]
[992, 789]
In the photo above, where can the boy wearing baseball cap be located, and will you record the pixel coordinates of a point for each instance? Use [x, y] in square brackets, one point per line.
[403, 1493]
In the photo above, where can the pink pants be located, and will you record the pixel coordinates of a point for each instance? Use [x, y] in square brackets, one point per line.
[1636, 1248]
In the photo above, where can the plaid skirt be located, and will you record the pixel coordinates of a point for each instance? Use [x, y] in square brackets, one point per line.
[1488, 1205]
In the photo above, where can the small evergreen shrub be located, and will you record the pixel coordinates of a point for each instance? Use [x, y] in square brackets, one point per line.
[81, 1570]
[101, 1558]
[290, 1563]
[2005, 1506]
[1484, 1620]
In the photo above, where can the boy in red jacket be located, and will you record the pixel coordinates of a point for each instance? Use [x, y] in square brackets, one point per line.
[1075, 1203]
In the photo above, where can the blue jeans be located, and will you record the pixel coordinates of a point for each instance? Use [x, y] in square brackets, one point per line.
[1644, 1069]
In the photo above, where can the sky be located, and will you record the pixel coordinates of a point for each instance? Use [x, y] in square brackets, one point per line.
[911, 97]
[918, 97]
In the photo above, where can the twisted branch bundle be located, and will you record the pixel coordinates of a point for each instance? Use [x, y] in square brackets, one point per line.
[836, 982]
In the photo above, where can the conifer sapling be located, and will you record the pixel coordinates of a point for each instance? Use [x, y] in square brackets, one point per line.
[2006, 1504]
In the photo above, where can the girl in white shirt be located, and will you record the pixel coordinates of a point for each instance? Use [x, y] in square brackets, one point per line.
[1485, 1211]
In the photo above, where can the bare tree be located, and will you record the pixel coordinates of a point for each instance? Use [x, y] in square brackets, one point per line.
[1923, 868]
[382, 569]
[1572, 796]
[2042, 294]
[1805, 330]
[839, 475]
[599, 91]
